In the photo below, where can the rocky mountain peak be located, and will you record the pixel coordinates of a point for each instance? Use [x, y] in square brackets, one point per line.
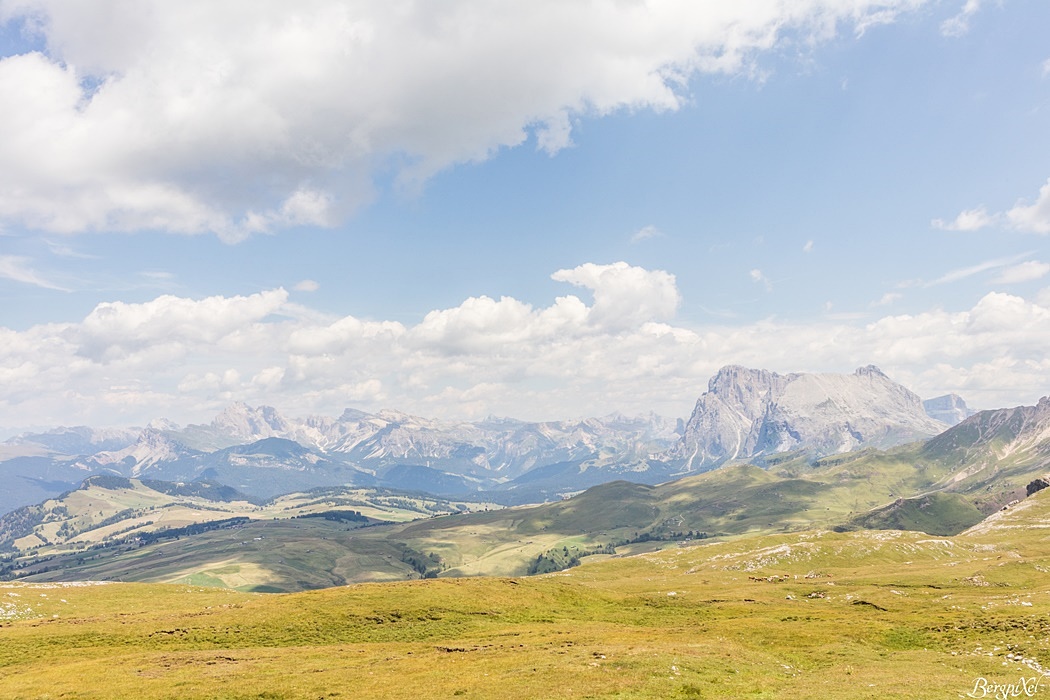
[748, 413]
[950, 409]
[244, 422]
[870, 371]
[163, 424]
[731, 378]
[353, 415]
[743, 388]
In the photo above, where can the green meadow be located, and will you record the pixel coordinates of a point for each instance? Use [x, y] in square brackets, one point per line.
[812, 614]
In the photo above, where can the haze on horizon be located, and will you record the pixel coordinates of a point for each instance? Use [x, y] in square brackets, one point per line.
[541, 210]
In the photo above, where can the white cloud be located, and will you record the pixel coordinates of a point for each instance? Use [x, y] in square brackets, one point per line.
[241, 117]
[185, 359]
[971, 270]
[624, 295]
[555, 133]
[888, 298]
[169, 325]
[157, 275]
[306, 286]
[1033, 218]
[269, 378]
[759, 277]
[645, 233]
[1030, 218]
[959, 25]
[808, 247]
[478, 325]
[1024, 272]
[968, 220]
[19, 269]
[65, 251]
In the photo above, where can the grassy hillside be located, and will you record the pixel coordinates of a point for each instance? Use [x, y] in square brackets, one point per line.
[871, 614]
[935, 513]
[121, 529]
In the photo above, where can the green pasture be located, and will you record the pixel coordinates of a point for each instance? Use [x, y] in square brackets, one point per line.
[816, 614]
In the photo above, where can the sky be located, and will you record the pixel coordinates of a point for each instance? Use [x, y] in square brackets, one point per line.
[544, 210]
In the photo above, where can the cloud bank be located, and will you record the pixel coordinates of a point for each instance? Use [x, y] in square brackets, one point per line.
[239, 118]
[619, 349]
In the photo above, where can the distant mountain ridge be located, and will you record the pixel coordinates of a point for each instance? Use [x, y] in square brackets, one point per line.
[987, 464]
[80, 439]
[264, 453]
[746, 415]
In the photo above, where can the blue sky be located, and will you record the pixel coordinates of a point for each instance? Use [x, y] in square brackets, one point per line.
[368, 204]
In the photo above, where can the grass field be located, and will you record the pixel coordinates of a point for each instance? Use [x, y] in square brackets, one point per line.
[869, 614]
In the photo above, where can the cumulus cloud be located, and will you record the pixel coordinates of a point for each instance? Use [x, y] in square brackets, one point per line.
[1027, 217]
[968, 220]
[242, 118]
[624, 295]
[169, 325]
[1033, 218]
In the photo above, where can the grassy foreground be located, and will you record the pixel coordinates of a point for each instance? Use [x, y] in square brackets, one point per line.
[814, 615]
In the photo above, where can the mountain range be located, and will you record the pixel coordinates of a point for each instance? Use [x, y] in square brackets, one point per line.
[114, 527]
[745, 415]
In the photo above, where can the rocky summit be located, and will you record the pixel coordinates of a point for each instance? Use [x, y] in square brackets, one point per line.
[950, 409]
[747, 414]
